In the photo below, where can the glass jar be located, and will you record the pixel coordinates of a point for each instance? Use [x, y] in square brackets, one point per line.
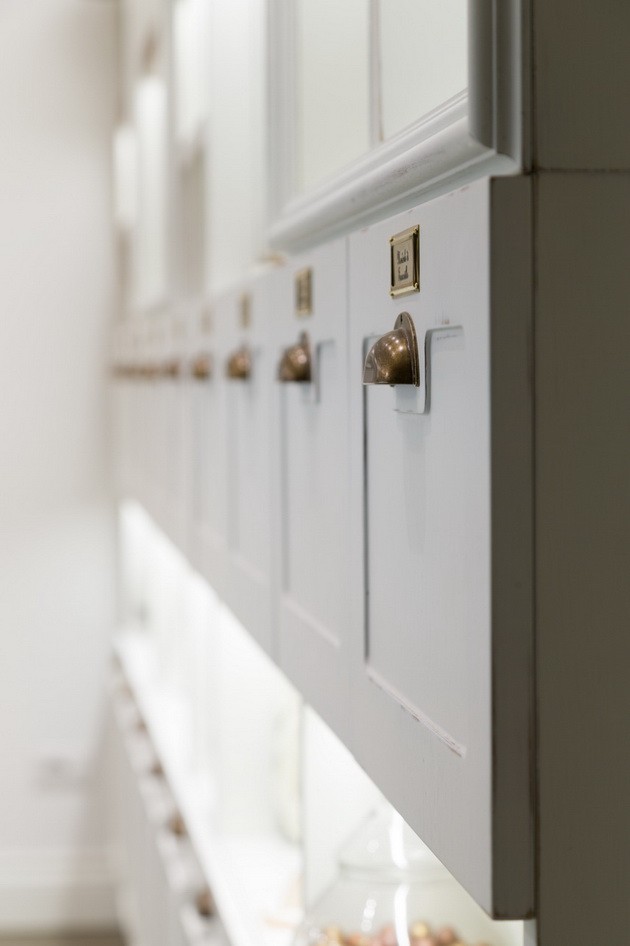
[392, 891]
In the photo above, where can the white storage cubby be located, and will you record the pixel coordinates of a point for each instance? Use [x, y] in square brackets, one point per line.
[236, 844]
[224, 725]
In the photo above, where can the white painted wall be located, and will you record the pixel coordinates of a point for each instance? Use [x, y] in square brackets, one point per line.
[57, 104]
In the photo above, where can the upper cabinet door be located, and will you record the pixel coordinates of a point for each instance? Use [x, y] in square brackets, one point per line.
[243, 320]
[441, 511]
[375, 102]
[208, 506]
[312, 478]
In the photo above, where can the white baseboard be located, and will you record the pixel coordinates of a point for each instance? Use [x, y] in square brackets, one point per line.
[56, 890]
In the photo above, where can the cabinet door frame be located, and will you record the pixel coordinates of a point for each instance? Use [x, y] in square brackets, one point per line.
[480, 132]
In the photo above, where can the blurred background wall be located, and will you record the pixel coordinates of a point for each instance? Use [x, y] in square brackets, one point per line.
[57, 294]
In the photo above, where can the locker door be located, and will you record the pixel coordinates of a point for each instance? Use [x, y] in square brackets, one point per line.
[209, 519]
[248, 370]
[208, 487]
[313, 478]
[441, 501]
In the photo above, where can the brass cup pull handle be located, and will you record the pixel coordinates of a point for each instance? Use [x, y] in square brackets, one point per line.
[171, 368]
[239, 364]
[177, 825]
[201, 367]
[295, 364]
[393, 359]
[204, 901]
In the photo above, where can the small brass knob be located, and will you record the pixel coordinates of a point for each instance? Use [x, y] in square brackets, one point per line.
[239, 364]
[201, 367]
[156, 769]
[204, 901]
[171, 368]
[295, 364]
[393, 359]
[177, 825]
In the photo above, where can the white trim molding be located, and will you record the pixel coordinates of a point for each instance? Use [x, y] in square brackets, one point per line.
[477, 133]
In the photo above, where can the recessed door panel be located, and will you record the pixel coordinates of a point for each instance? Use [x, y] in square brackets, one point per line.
[428, 568]
[208, 524]
[313, 479]
[434, 721]
[248, 377]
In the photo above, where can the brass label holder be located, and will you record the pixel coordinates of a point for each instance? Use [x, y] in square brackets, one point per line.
[404, 250]
[245, 310]
[304, 292]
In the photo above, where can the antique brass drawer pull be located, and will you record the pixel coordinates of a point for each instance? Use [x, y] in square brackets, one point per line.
[295, 364]
[171, 368]
[204, 901]
[393, 359]
[177, 825]
[239, 364]
[201, 367]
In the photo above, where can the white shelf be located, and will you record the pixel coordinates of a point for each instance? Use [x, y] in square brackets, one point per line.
[250, 876]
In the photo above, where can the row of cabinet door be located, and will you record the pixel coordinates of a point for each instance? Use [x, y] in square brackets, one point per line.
[375, 540]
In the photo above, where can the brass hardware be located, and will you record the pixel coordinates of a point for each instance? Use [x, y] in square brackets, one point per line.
[177, 825]
[393, 359]
[201, 367]
[245, 310]
[171, 368]
[295, 364]
[239, 364]
[405, 262]
[204, 901]
[304, 292]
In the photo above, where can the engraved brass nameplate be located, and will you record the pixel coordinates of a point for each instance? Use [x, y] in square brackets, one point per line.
[245, 310]
[304, 292]
[405, 262]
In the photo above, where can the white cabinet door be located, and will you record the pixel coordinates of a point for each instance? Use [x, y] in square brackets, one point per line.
[312, 478]
[442, 505]
[208, 511]
[248, 446]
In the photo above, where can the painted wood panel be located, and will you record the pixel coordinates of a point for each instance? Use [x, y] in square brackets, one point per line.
[248, 456]
[582, 549]
[312, 483]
